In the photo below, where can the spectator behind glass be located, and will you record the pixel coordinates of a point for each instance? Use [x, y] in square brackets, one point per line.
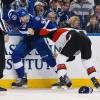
[97, 13]
[93, 26]
[92, 2]
[83, 9]
[19, 4]
[65, 14]
[97, 2]
[74, 22]
[53, 18]
[54, 6]
[39, 10]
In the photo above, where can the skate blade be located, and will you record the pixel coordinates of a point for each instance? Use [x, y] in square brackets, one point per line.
[59, 87]
[55, 87]
[22, 87]
[64, 87]
[3, 90]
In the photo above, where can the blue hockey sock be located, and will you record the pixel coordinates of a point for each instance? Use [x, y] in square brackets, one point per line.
[19, 69]
[20, 72]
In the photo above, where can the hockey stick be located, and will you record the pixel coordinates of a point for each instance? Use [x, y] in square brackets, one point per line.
[2, 24]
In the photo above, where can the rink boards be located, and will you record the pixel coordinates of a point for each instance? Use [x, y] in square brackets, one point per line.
[42, 76]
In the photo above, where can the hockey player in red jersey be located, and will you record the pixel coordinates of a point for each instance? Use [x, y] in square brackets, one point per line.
[69, 41]
[25, 22]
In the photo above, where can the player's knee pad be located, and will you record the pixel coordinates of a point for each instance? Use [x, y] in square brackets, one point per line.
[15, 57]
[50, 60]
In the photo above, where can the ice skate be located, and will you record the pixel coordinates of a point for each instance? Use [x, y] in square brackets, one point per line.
[20, 83]
[3, 89]
[95, 82]
[64, 83]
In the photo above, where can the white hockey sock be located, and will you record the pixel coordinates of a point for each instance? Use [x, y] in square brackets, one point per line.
[61, 70]
[19, 69]
[61, 59]
[91, 71]
[61, 67]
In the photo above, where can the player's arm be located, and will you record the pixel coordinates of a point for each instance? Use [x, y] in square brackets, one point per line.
[29, 31]
[43, 32]
[47, 29]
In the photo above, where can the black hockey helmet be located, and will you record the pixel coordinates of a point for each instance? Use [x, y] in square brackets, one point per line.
[85, 90]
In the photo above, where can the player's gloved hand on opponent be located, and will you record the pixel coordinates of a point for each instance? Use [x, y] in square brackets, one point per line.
[71, 58]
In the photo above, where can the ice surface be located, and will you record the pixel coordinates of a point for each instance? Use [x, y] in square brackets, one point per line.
[47, 94]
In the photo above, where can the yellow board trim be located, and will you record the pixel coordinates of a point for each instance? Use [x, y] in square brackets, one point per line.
[46, 83]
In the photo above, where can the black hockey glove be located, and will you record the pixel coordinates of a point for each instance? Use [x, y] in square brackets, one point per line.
[71, 58]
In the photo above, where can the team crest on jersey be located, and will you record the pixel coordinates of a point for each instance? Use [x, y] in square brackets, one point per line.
[14, 17]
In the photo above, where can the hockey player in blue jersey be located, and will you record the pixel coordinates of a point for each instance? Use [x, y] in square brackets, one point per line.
[30, 42]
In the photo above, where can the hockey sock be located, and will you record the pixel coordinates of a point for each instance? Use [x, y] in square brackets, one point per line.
[61, 70]
[19, 69]
[61, 67]
[60, 59]
[91, 71]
